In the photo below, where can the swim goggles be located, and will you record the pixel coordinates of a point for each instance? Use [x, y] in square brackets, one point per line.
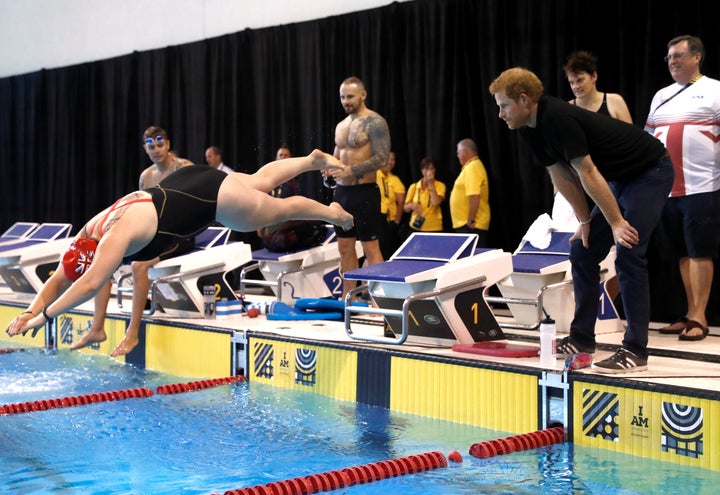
[156, 139]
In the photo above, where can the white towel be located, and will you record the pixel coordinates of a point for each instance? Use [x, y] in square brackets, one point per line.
[539, 232]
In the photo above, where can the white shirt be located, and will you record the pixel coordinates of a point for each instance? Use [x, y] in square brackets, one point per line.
[688, 124]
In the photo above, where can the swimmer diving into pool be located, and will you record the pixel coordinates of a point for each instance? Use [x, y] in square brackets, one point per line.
[136, 228]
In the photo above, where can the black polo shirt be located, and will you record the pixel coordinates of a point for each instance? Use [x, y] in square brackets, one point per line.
[619, 150]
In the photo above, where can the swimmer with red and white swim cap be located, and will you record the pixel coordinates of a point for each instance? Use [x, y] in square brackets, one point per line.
[136, 228]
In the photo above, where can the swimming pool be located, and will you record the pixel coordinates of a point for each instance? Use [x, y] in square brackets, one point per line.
[246, 434]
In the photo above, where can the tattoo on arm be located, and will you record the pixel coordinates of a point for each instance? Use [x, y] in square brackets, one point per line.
[379, 134]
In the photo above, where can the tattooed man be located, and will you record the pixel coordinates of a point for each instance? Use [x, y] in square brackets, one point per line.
[362, 143]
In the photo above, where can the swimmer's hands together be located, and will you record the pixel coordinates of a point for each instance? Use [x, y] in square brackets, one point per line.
[24, 322]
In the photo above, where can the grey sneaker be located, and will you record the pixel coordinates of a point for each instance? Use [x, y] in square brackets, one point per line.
[623, 361]
[567, 347]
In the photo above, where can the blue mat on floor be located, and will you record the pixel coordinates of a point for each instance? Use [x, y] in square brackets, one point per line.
[310, 309]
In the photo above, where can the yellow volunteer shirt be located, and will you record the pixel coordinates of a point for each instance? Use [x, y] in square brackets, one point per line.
[384, 192]
[431, 212]
[389, 185]
[472, 180]
[395, 186]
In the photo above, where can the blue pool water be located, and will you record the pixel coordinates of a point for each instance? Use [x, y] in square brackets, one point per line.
[246, 434]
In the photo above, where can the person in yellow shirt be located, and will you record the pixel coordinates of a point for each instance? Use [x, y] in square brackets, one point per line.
[392, 199]
[424, 199]
[469, 198]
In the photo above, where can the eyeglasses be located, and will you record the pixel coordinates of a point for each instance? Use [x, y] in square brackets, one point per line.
[156, 139]
[674, 56]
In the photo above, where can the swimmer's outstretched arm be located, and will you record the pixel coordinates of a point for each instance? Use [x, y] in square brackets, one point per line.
[54, 299]
[32, 316]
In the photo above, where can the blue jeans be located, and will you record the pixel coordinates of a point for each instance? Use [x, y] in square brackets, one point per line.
[641, 202]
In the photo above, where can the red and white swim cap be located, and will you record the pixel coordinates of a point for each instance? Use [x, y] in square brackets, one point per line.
[78, 257]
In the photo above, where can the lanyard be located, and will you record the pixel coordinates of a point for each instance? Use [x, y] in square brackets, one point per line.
[675, 94]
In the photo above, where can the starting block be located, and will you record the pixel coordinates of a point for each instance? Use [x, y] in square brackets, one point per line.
[29, 259]
[43, 233]
[541, 281]
[308, 273]
[176, 284]
[17, 231]
[26, 269]
[432, 289]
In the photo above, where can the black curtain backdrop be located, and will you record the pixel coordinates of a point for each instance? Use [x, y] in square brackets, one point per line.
[70, 138]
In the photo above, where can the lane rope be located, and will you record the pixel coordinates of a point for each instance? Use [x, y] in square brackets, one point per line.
[12, 349]
[356, 475]
[177, 388]
[515, 443]
[115, 395]
[76, 400]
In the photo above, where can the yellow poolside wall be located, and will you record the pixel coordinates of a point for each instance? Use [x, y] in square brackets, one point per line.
[673, 424]
[657, 425]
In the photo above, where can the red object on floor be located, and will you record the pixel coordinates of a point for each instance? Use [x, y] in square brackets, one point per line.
[496, 348]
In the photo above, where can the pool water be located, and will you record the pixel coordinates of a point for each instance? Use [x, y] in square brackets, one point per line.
[246, 434]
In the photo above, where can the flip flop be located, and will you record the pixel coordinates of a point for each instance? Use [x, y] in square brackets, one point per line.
[694, 324]
[674, 328]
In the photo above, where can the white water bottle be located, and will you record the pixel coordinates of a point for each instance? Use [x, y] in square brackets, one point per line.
[548, 357]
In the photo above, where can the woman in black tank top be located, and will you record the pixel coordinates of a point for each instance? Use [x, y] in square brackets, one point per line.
[581, 71]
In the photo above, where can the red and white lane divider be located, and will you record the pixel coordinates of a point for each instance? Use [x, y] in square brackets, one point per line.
[178, 388]
[115, 395]
[77, 400]
[356, 475]
[515, 443]
[10, 350]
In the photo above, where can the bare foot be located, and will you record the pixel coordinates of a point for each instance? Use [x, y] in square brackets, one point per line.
[325, 161]
[126, 345]
[345, 219]
[92, 337]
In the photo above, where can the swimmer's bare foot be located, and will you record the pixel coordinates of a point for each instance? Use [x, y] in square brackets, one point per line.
[126, 345]
[92, 337]
[324, 161]
[345, 220]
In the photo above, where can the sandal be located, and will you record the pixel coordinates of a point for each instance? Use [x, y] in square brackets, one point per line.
[691, 325]
[675, 328]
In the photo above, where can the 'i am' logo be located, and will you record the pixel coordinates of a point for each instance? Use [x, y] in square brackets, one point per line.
[640, 424]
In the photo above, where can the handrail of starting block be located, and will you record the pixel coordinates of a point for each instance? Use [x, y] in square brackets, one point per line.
[153, 285]
[537, 302]
[403, 313]
[259, 282]
[252, 282]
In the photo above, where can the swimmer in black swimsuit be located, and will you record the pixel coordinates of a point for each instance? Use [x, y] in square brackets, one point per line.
[136, 227]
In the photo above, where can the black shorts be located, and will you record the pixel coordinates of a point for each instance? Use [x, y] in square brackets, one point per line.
[363, 203]
[690, 226]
